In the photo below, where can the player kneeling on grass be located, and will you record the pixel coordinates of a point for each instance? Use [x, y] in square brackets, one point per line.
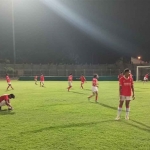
[126, 90]
[5, 100]
[94, 88]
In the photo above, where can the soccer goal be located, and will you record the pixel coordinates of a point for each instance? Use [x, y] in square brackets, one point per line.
[141, 71]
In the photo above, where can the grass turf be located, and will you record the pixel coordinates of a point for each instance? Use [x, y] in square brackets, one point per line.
[51, 118]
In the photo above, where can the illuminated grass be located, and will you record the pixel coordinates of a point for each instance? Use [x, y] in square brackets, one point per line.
[51, 118]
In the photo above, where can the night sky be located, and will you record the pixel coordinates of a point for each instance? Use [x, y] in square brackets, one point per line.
[75, 31]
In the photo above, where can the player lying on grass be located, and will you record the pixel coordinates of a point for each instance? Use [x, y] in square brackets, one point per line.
[70, 78]
[146, 78]
[126, 90]
[83, 79]
[9, 82]
[5, 100]
[94, 88]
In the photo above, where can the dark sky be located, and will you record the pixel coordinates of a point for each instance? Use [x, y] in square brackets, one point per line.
[75, 31]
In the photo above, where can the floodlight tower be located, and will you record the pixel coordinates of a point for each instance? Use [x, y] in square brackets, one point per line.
[13, 32]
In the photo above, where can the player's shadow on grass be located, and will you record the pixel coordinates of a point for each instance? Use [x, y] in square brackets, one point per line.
[6, 112]
[87, 89]
[72, 125]
[78, 92]
[142, 124]
[147, 129]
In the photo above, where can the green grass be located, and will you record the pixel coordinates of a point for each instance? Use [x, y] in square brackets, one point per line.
[51, 118]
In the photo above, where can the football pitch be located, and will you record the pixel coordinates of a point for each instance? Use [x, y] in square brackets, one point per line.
[51, 118]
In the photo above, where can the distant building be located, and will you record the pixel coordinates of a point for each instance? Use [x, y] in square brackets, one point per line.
[137, 61]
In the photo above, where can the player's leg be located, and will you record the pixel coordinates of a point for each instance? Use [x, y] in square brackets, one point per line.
[93, 94]
[96, 96]
[8, 86]
[120, 107]
[3, 103]
[127, 109]
[82, 85]
[40, 83]
[70, 85]
[11, 86]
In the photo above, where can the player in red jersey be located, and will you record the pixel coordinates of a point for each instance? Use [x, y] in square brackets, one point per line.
[94, 88]
[70, 78]
[146, 78]
[120, 76]
[9, 82]
[5, 100]
[35, 79]
[42, 80]
[126, 90]
[83, 79]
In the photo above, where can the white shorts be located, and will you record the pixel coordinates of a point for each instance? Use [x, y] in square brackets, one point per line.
[94, 89]
[35, 79]
[125, 98]
[69, 83]
[3, 103]
[145, 79]
[9, 83]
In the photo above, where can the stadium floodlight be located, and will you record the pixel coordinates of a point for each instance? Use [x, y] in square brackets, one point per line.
[139, 57]
[141, 71]
[85, 25]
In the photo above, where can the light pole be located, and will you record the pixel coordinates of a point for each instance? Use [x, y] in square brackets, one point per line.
[13, 32]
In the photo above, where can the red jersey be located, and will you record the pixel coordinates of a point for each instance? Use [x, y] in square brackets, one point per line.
[82, 78]
[7, 79]
[146, 75]
[35, 78]
[41, 78]
[126, 84]
[4, 97]
[94, 82]
[120, 76]
[70, 78]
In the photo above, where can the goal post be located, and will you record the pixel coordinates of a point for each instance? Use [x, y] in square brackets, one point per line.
[141, 71]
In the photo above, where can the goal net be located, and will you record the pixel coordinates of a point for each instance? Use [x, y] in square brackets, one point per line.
[141, 71]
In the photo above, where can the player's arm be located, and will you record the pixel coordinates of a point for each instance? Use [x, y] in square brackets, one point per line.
[8, 104]
[120, 87]
[132, 87]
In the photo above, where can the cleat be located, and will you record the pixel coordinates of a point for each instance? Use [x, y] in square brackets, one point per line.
[117, 118]
[126, 117]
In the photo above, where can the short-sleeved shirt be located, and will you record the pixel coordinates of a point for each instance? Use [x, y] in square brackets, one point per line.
[82, 78]
[126, 84]
[7, 79]
[146, 75]
[4, 97]
[35, 77]
[70, 78]
[94, 82]
[41, 78]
